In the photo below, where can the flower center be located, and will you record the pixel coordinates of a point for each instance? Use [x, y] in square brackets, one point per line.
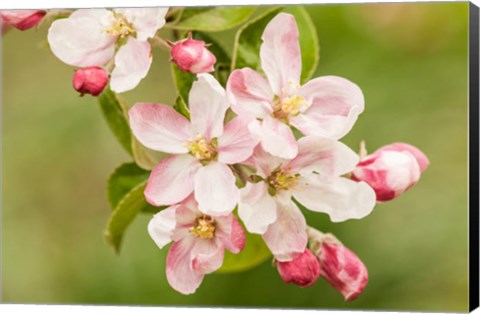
[280, 179]
[201, 149]
[290, 106]
[204, 229]
[120, 27]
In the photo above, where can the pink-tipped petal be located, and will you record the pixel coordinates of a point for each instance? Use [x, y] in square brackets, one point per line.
[146, 21]
[263, 162]
[80, 40]
[160, 128]
[22, 19]
[231, 233]
[161, 226]
[236, 143]
[180, 274]
[335, 104]
[172, 180]
[208, 105]
[340, 198]
[421, 158]
[132, 63]
[256, 207]
[276, 137]
[280, 53]
[287, 236]
[249, 93]
[303, 271]
[206, 255]
[215, 189]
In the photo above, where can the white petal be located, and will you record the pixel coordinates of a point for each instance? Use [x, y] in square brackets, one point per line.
[276, 138]
[146, 21]
[257, 208]
[161, 226]
[132, 63]
[236, 143]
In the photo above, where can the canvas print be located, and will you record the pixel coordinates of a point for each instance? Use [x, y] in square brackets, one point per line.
[302, 156]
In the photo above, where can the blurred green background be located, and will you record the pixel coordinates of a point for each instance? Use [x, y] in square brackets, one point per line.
[410, 61]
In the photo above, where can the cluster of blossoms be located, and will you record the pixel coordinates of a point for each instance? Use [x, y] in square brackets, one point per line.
[252, 162]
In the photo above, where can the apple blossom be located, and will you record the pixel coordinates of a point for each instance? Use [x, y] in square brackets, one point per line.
[314, 179]
[326, 106]
[198, 245]
[21, 19]
[202, 149]
[192, 56]
[90, 37]
[303, 271]
[391, 170]
[90, 80]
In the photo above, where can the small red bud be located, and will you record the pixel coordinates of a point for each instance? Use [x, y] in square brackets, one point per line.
[303, 271]
[22, 19]
[90, 80]
[192, 56]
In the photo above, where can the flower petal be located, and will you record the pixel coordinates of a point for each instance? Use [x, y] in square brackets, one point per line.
[340, 198]
[280, 53]
[146, 21]
[132, 63]
[230, 232]
[208, 105]
[236, 143]
[276, 137]
[206, 255]
[335, 104]
[263, 162]
[172, 180]
[161, 226]
[180, 275]
[159, 127]
[287, 236]
[80, 40]
[324, 156]
[215, 189]
[420, 157]
[249, 93]
[256, 207]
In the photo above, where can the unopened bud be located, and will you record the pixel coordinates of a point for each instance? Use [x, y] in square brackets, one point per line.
[21, 19]
[391, 170]
[192, 56]
[90, 80]
[303, 271]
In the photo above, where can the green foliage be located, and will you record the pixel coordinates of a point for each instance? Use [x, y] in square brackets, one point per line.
[212, 19]
[115, 112]
[183, 82]
[248, 41]
[122, 180]
[254, 254]
[181, 107]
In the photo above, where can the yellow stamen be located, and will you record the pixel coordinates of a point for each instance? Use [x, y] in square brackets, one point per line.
[120, 27]
[204, 229]
[289, 107]
[201, 149]
[280, 179]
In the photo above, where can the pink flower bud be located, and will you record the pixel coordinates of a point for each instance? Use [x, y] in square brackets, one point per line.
[391, 170]
[22, 19]
[90, 80]
[192, 56]
[342, 269]
[303, 271]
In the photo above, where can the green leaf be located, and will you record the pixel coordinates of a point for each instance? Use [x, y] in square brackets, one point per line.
[246, 51]
[254, 254]
[115, 112]
[123, 215]
[308, 41]
[212, 19]
[183, 82]
[248, 41]
[122, 180]
[181, 107]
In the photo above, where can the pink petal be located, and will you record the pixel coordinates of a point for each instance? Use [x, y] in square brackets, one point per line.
[208, 105]
[340, 198]
[80, 40]
[276, 137]
[161, 226]
[324, 156]
[160, 128]
[256, 207]
[236, 143]
[172, 180]
[249, 93]
[180, 274]
[421, 158]
[146, 21]
[215, 189]
[263, 162]
[230, 232]
[206, 255]
[280, 53]
[132, 63]
[287, 236]
[335, 104]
